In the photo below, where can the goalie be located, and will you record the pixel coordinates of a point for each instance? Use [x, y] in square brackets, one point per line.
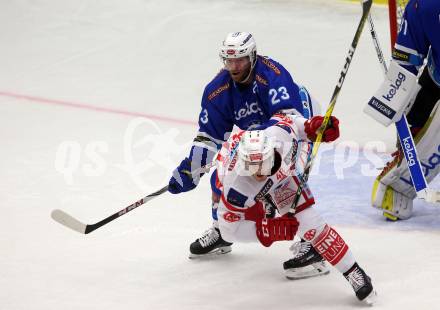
[418, 41]
[259, 172]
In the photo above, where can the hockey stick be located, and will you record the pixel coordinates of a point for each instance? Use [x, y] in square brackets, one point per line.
[406, 139]
[69, 221]
[377, 45]
[366, 6]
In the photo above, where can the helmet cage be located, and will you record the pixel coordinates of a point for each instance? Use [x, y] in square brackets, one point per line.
[255, 153]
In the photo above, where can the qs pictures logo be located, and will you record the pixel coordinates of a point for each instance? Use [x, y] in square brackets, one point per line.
[149, 155]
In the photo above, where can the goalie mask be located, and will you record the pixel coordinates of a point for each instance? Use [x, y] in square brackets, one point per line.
[255, 153]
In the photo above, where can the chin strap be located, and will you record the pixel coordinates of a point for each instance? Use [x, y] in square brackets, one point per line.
[250, 71]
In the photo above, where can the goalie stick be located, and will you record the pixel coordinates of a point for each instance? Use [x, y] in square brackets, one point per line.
[406, 139]
[69, 221]
[366, 6]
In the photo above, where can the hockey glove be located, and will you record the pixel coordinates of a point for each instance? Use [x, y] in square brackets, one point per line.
[331, 132]
[182, 179]
[276, 229]
[255, 213]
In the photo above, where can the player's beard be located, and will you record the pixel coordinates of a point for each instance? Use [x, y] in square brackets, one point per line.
[243, 77]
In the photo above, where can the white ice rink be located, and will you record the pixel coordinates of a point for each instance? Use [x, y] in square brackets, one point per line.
[99, 102]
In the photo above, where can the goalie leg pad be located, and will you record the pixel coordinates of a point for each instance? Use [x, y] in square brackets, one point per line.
[396, 175]
[394, 204]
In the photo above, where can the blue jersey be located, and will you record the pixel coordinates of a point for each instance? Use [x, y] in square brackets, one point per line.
[419, 37]
[226, 103]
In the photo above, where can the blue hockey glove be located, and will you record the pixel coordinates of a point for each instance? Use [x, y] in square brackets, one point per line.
[182, 179]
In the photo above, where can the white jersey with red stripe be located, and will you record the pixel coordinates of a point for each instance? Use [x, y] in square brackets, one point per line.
[292, 151]
[243, 197]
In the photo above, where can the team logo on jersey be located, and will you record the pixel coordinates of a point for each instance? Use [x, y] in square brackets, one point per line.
[250, 109]
[284, 195]
[310, 234]
[231, 217]
[217, 92]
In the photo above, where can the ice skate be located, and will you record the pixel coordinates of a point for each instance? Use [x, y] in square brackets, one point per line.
[306, 262]
[361, 284]
[209, 244]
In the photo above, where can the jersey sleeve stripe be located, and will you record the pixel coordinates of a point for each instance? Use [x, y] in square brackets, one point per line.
[202, 136]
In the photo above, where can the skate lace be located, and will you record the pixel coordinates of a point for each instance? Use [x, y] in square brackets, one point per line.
[356, 279]
[300, 249]
[209, 237]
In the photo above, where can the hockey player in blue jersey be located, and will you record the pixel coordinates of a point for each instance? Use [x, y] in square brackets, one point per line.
[418, 42]
[246, 93]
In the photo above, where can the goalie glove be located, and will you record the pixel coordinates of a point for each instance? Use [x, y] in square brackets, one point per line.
[276, 229]
[391, 99]
[331, 132]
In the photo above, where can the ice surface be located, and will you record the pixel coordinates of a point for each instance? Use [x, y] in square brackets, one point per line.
[75, 78]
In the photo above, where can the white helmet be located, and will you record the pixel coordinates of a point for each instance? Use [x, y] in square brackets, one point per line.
[256, 153]
[237, 45]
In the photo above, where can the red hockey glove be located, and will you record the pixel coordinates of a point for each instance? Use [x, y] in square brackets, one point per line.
[255, 213]
[331, 133]
[276, 229]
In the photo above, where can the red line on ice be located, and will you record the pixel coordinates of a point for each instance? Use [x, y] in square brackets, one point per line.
[95, 108]
[101, 109]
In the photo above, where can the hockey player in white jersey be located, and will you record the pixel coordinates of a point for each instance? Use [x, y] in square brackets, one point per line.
[261, 169]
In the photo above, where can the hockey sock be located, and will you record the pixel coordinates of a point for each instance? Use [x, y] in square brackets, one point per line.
[333, 249]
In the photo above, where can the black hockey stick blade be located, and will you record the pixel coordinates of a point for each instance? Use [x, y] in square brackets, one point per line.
[69, 221]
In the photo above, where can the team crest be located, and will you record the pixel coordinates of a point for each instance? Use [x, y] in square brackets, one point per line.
[310, 234]
[231, 217]
[284, 195]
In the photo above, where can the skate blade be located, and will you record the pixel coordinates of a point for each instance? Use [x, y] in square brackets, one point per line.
[314, 270]
[213, 253]
[371, 299]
